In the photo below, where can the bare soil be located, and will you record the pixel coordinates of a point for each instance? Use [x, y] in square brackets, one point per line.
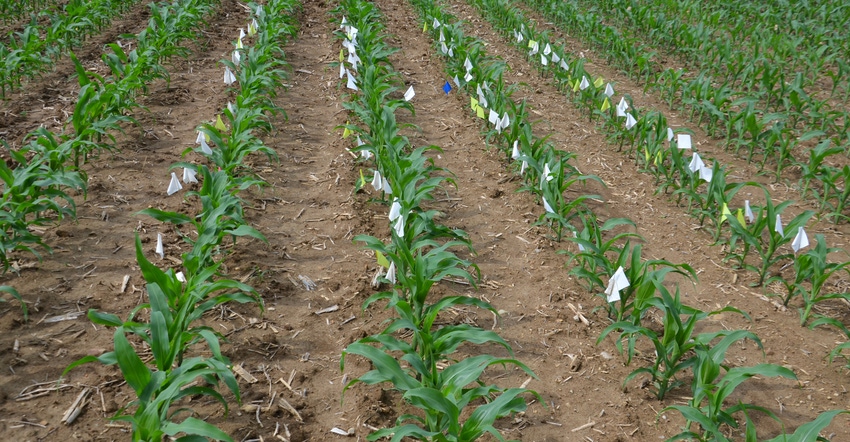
[310, 214]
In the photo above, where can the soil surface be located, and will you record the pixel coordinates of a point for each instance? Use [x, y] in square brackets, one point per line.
[310, 213]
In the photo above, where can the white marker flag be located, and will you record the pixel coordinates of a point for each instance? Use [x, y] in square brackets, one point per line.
[801, 241]
[174, 185]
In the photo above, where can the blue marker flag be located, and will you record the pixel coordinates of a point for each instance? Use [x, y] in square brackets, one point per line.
[447, 88]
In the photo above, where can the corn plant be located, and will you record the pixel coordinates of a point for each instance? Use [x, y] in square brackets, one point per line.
[710, 390]
[838, 351]
[674, 347]
[761, 236]
[174, 307]
[812, 270]
[34, 194]
[592, 243]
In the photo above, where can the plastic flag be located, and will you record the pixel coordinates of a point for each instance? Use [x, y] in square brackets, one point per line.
[564, 65]
[451, 53]
[350, 83]
[615, 284]
[436, 24]
[385, 186]
[748, 212]
[174, 185]
[395, 210]
[200, 138]
[189, 176]
[515, 151]
[229, 78]
[391, 271]
[778, 228]
[346, 132]
[620, 111]
[473, 103]
[377, 182]
[543, 60]
[547, 206]
[409, 94]
[547, 173]
[493, 117]
[630, 121]
[241, 33]
[696, 163]
[623, 104]
[341, 70]
[669, 135]
[725, 213]
[555, 58]
[468, 77]
[236, 57]
[801, 241]
[605, 105]
[480, 113]
[547, 50]
[205, 148]
[467, 64]
[180, 276]
[220, 124]
[740, 217]
[457, 82]
[522, 169]
[506, 121]
[443, 48]
[481, 98]
[580, 247]
[447, 87]
[683, 141]
[609, 90]
[425, 28]
[599, 82]
[584, 83]
[705, 174]
[399, 226]
[159, 249]
[382, 260]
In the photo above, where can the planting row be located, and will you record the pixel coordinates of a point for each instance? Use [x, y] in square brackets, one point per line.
[419, 253]
[170, 324]
[50, 35]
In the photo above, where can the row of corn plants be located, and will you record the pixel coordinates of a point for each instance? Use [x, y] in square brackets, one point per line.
[167, 325]
[704, 190]
[13, 10]
[640, 289]
[51, 34]
[780, 133]
[39, 189]
[414, 354]
[48, 171]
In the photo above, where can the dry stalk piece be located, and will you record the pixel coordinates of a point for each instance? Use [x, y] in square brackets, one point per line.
[247, 377]
[288, 407]
[330, 309]
[582, 427]
[77, 407]
[124, 283]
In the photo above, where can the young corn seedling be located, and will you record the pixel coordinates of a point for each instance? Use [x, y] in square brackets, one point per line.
[174, 306]
[812, 270]
[763, 237]
[674, 347]
[710, 390]
[593, 244]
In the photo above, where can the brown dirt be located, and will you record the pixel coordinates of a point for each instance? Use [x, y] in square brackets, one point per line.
[310, 215]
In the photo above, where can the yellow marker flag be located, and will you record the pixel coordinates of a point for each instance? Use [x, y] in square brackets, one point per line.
[575, 85]
[741, 217]
[382, 260]
[239, 43]
[362, 179]
[341, 57]
[605, 105]
[531, 43]
[646, 155]
[345, 132]
[724, 212]
[480, 112]
[425, 28]
[473, 103]
[599, 82]
[657, 158]
[220, 124]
